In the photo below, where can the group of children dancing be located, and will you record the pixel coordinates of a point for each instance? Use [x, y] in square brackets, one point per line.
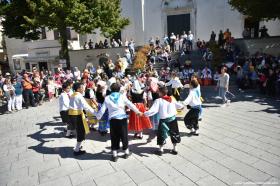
[127, 105]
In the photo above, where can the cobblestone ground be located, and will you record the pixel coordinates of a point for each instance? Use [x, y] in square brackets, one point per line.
[238, 145]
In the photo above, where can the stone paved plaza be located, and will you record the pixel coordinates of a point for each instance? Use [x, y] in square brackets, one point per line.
[238, 145]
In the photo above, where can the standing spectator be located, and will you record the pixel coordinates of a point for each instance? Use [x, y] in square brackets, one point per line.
[213, 37]
[223, 85]
[131, 46]
[227, 35]
[263, 32]
[18, 94]
[190, 40]
[51, 88]
[246, 33]
[157, 41]
[114, 43]
[85, 45]
[90, 44]
[271, 83]
[172, 42]
[28, 96]
[106, 44]
[120, 42]
[221, 39]
[77, 74]
[9, 92]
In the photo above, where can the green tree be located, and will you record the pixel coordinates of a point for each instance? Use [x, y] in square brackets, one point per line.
[258, 9]
[24, 18]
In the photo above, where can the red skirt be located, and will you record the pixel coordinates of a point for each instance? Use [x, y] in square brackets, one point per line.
[137, 123]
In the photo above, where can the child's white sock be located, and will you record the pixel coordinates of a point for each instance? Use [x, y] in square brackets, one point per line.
[78, 146]
[161, 148]
[174, 147]
[126, 151]
[115, 153]
[68, 133]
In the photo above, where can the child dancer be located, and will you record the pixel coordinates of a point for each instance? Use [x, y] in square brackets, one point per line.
[51, 88]
[136, 123]
[193, 100]
[77, 117]
[103, 123]
[18, 94]
[9, 91]
[168, 123]
[64, 100]
[115, 103]
[90, 98]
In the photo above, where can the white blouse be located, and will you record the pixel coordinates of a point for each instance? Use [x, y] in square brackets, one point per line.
[116, 111]
[164, 108]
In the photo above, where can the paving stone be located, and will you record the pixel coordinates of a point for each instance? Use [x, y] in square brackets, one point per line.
[210, 180]
[191, 171]
[268, 168]
[91, 173]
[116, 178]
[182, 180]
[140, 174]
[222, 173]
[62, 181]
[7, 177]
[239, 155]
[51, 174]
[245, 170]
[155, 181]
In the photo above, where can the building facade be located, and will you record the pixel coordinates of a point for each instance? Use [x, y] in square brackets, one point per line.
[42, 54]
[152, 18]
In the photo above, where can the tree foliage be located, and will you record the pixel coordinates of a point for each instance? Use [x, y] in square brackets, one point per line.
[258, 9]
[23, 18]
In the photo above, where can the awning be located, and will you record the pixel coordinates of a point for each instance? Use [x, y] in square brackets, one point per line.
[41, 59]
[20, 56]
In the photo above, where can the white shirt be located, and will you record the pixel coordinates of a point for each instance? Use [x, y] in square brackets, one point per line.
[190, 37]
[116, 111]
[193, 98]
[63, 101]
[164, 108]
[175, 83]
[78, 102]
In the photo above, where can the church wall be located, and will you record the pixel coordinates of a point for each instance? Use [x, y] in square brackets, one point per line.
[273, 27]
[217, 15]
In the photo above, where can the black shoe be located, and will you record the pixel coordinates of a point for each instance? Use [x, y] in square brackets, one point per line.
[125, 156]
[139, 137]
[174, 152]
[114, 158]
[135, 135]
[195, 134]
[158, 152]
[92, 129]
[80, 152]
[70, 136]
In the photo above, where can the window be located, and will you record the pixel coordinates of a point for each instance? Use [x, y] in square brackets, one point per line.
[43, 33]
[56, 34]
[68, 33]
[27, 66]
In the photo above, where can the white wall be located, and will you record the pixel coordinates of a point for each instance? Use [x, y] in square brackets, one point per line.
[217, 15]
[128, 11]
[15, 46]
[153, 20]
[273, 27]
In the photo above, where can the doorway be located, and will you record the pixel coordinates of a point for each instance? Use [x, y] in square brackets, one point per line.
[253, 26]
[178, 23]
[43, 66]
